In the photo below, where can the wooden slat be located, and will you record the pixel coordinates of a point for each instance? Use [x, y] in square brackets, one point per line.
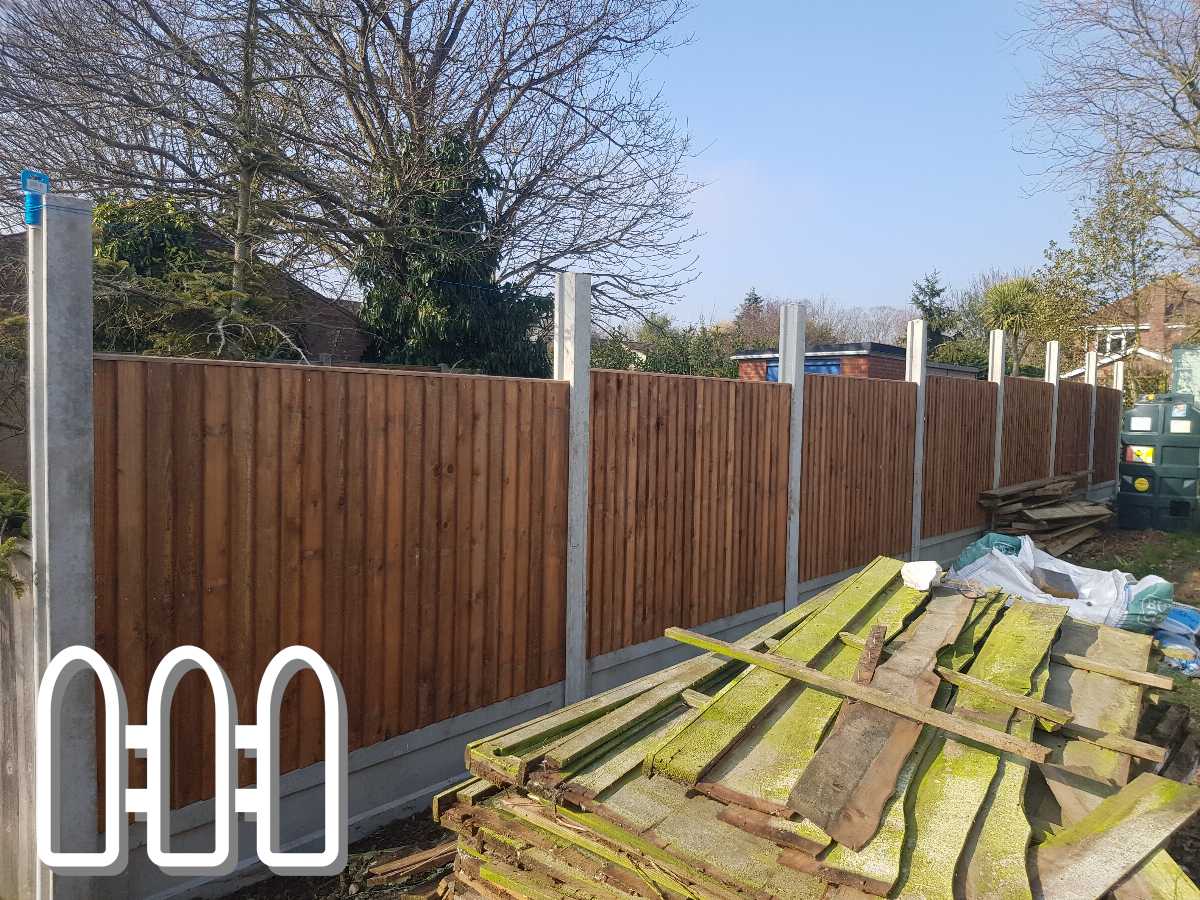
[239, 661]
[959, 434]
[1026, 452]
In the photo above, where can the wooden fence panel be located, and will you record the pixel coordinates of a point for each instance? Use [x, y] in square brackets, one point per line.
[687, 504]
[960, 430]
[1026, 452]
[856, 499]
[1074, 420]
[1109, 408]
[409, 527]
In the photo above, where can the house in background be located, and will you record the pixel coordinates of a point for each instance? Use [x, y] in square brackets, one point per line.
[329, 328]
[861, 360]
[1143, 328]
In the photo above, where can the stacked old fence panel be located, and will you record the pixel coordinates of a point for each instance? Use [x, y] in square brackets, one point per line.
[1074, 422]
[409, 527]
[856, 497]
[1108, 429]
[960, 429]
[1028, 405]
[688, 502]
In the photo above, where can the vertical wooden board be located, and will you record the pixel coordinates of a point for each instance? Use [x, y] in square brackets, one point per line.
[622, 463]
[596, 508]
[105, 517]
[730, 602]
[335, 437]
[648, 596]
[556, 535]
[428, 555]
[477, 602]
[783, 411]
[216, 574]
[521, 646]
[381, 659]
[494, 648]
[687, 584]
[353, 634]
[676, 464]
[291, 550]
[537, 535]
[407, 430]
[313, 561]
[627, 593]
[160, 512]
[508, 548]
[265, 600]
[131, 545]
[239, 663]
[460, 538]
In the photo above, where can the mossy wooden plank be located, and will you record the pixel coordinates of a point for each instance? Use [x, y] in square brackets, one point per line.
[693, 751]
[506, 756]
[876, 867]
[845, 783]
[1088, 857]
[605, 771]
[952, 788]
[1158, 878]
[1096, 701]
[695, 834]
[764, 764]
[996, 851]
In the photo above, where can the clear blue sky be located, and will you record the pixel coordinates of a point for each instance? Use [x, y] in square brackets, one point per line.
[851, 146]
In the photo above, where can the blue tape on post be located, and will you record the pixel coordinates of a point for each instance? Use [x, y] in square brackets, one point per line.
[35, 185]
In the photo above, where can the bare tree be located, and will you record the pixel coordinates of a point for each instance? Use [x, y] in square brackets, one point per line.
[286, 122]
[1121, 92]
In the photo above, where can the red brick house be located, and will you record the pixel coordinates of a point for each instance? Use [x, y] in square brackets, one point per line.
[861, 360]
[1143, 328]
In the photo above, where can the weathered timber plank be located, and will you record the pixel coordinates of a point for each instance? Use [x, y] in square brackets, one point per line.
[1087, 858]
[950, 792]
[997, 847]
[1102, 667]
[507, 755]
[692, 752]
[952, 724]
[1158, 877]
[850, 778]
[759, 771]
[1097, 701]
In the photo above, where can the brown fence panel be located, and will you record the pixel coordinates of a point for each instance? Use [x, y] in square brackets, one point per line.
[1074, 419]
[856, 481]
[688, 502]
[411, 528]
[960, 431]
[1109, 407]
[1026, 451]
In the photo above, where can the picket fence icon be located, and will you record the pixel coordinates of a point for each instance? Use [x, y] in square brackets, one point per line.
[260, 803]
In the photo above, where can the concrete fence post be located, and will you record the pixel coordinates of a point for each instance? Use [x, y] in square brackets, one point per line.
[996, 377]
[1052, 380]
[1091, 373]
[791, 371]
[1119, 375]
[572, 363]
[915, 372]
[60, 474]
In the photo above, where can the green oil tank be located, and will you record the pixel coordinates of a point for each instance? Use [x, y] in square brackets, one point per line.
[1160, 464]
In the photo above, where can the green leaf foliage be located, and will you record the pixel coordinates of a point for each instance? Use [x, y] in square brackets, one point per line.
[164, 286]
[430, 294]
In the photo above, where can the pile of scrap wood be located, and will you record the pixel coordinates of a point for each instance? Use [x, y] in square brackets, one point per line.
[1044, 511]
[877, 740]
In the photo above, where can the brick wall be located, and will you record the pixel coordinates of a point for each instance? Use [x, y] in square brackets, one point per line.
[752, 369]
